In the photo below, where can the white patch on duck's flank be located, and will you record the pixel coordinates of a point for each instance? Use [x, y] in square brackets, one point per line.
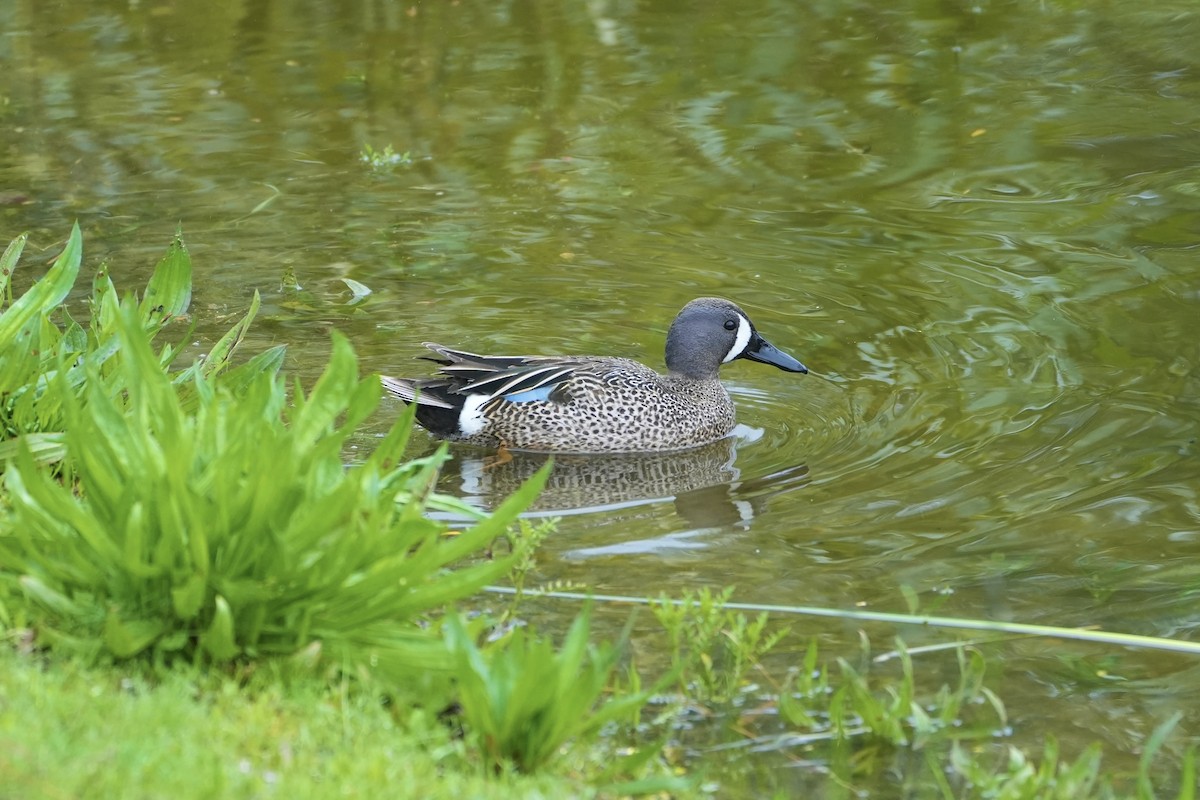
[740, 341]
[471, 419]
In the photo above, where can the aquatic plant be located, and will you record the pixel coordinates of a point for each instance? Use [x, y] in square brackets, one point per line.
[1019, 777]
[713, 648]
[862, 725]
[385, 159]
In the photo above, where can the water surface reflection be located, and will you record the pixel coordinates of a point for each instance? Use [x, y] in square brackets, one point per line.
[704, 483]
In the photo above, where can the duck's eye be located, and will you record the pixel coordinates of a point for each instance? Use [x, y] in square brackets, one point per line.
[731, 324]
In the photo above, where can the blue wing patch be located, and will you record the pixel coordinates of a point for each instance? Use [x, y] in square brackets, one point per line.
[538, 395]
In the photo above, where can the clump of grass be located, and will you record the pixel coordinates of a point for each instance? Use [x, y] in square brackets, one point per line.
[234, 528]
[43, 360]
[525, 538]
[523, 700]
[209, 516]
[859, 716]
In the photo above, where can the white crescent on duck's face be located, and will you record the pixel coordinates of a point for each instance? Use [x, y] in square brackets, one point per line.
[740, 340]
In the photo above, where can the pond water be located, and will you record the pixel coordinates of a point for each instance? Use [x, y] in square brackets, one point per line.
[977, 224]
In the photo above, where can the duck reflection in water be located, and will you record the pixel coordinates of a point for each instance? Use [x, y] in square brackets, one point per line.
[703, 483]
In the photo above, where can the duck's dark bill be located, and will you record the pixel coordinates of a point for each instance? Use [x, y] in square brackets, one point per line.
[762, 350]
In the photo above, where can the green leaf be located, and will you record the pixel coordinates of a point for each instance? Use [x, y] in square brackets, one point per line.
[359, 291]
[21, 323]
[45, 448]
[169, 292]
[219, 639]
[8, 263]
[1153, 745]
[220, 354]
[483, 532]
[316, 413]
[188, 598]
[134, 544]
[126, 638]
[49, 598]
[1187, 778]
[102, 286]
[173, 642]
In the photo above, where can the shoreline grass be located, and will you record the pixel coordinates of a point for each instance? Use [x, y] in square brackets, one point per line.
[70, 730]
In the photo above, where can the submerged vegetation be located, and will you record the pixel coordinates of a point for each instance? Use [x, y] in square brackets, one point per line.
[184, 553]
[385, 159]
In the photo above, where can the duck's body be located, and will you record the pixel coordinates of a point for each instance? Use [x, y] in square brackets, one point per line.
[594, 404]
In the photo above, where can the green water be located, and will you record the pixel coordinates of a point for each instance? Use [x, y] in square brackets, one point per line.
[978, 225]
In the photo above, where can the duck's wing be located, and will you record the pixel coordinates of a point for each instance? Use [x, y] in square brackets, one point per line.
[521, 384]
[488, 379]
[462, 361]
[421, 392]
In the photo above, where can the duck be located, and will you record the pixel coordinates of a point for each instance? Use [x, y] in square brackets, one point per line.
[594, 404]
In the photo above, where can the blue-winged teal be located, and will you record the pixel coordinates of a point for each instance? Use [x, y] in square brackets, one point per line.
[594, 404]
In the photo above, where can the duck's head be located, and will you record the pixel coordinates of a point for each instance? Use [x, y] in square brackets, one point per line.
[711, 331]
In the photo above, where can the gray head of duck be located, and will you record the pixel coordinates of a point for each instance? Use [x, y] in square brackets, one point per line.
[711, 331]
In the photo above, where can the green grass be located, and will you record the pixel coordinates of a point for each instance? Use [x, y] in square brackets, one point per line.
[73, 731]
